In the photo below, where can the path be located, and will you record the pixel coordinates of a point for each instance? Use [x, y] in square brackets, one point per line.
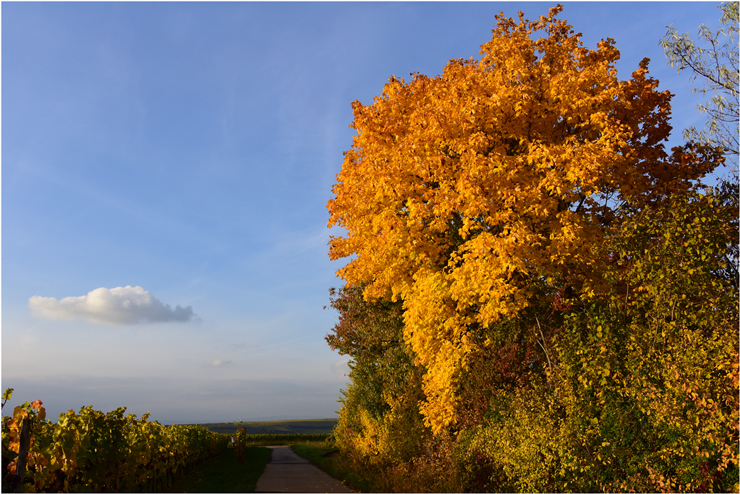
[288, 472]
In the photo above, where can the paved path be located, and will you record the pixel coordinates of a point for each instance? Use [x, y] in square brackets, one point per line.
[288, 472]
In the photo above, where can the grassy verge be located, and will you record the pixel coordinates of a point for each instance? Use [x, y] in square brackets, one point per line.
[328, 459]
[224, 474]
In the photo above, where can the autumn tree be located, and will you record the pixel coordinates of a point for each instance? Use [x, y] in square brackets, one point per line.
[643, 391]
[379, 419]
[713, 61]
[371, 334]
[479, 194]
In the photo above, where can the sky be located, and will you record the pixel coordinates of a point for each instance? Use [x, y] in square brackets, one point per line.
[165, 174]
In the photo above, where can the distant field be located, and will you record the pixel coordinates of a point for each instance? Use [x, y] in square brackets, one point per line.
[315, 426]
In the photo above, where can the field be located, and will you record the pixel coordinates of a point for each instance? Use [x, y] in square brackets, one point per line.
[314, 426]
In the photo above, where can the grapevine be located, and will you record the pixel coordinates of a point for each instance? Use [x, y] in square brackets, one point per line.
[97, 451]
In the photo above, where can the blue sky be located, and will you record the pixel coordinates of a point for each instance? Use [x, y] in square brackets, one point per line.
[165, 173]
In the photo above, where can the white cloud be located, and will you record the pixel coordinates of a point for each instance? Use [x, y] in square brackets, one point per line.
[121, 305]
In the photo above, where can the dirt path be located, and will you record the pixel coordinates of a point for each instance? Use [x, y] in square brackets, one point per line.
[288, 472]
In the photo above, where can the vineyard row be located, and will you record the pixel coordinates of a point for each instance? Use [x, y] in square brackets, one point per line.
[96, 451]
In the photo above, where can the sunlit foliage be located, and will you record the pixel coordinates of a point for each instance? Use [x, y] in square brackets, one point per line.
[643, 390]
[538, 296]
[93, 451]
[483, 192]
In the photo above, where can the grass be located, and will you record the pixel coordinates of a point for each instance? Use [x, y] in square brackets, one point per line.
[223, 473]
[329, 459]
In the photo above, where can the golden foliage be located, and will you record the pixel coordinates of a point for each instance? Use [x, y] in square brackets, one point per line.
[465, 193]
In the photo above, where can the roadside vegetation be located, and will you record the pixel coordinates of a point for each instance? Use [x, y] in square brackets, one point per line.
[539, 296]
[328, 458]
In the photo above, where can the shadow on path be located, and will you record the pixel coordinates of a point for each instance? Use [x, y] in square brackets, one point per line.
[288, 472]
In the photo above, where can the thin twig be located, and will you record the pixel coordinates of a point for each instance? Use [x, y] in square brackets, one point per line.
[549, 363]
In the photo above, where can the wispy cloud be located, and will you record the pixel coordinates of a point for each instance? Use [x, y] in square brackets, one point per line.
[121, 305]
[341, 367]
[221, 363]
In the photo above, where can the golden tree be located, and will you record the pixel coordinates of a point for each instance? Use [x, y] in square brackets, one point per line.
[468, 194]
